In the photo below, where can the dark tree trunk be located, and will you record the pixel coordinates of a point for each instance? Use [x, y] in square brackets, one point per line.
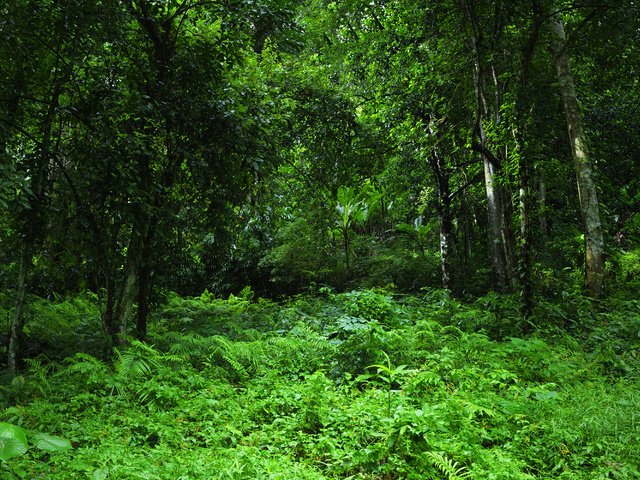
[107, 306]
[144, 291]
[129, 290]
[145, 283]
[526, 288]
[445, 221]
[541, 199]
[32, 233]
[446, 246]
[468, 221]
[17, 320]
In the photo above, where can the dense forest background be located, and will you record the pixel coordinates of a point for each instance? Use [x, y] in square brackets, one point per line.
[481, 156]
[157, 146]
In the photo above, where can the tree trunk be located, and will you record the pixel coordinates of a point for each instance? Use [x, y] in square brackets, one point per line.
[541, 195]
[144, 291]
[594, 242]
[107, 315]
[508, 239]
[468, 219]
[495, 238]
[347, 249]
[526, 288]
[129, 290]
[446, 246]
[106, 306]
[445, 221]
[144, 286]
[495, 232]
[17, 320]
[33, 216]
[494, 227]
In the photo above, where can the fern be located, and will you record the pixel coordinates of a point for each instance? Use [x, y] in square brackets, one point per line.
[40, 374]
[91, 370]
[302, 338]
[85, 364]
[449, 468]
[185, 346]
[302, 350]
[139, 360]
[242, 356]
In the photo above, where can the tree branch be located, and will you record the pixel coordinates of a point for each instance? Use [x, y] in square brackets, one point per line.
[467, 184]
[488, 154]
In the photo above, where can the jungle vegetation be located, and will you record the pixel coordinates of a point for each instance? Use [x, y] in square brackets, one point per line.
[319, 239]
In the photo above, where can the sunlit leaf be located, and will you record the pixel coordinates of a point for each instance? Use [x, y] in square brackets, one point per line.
[51, 443]
[13, 441]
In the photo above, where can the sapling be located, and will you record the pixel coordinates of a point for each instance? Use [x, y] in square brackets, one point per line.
[390, 375]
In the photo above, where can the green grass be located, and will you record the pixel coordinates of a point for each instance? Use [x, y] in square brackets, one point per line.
[358, 386]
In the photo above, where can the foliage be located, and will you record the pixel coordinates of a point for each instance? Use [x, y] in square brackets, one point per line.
[306, 389]
[346, 160]
[13, 442]
[628, 270]
[448, 467]
[299, 257]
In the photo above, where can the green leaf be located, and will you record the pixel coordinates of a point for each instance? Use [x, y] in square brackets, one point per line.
[546, 395]
[13, 441]
[51, 443]
[100, 474]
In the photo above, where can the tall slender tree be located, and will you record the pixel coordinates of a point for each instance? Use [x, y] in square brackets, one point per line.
[587, 192]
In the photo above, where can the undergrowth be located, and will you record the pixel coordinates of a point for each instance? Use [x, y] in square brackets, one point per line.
[361, 385]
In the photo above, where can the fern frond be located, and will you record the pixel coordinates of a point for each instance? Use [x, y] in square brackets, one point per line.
[40, 373]
[138, 360]
[290, 342]
[84, 364]
[84, 359]
[146, 348]
[129, 364]
[184, 349]
[236, 365]
[237, 355]
[451, 469]
[452, 331]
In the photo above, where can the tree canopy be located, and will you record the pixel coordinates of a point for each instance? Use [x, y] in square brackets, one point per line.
[156, 146]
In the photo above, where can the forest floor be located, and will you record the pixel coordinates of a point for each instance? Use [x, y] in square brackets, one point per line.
[359, 385]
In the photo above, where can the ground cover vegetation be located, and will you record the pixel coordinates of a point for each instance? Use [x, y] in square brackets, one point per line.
[354, 385]
[318, 239]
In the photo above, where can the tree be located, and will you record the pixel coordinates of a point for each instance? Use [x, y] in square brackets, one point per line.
[31, 124]
[123, 115]
[354, 209]
[587, 193]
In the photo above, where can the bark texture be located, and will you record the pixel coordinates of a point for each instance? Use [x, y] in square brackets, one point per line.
[129, 290]
[494, 227]
[594, 242]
